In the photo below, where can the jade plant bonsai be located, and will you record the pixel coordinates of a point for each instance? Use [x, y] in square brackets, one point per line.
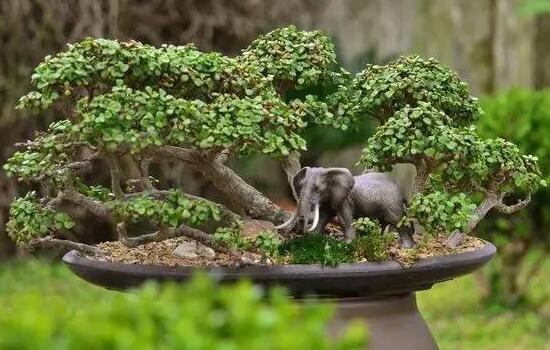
[126, 102]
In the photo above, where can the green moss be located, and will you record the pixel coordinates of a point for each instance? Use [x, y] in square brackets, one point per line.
[317, 249]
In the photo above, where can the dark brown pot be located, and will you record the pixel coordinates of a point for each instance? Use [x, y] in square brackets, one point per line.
[380, 293]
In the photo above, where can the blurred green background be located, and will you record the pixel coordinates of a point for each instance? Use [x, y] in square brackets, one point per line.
[500, 47]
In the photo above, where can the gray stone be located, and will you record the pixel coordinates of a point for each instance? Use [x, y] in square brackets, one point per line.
[186, 250]
[192, 250]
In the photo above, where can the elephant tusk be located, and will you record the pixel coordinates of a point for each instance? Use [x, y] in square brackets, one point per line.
[288, 222]
[315, 219]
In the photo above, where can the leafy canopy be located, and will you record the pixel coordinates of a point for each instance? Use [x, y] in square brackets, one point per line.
[29, 219]
[381, 91]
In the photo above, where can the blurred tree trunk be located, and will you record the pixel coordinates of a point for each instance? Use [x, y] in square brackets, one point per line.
[542, 49]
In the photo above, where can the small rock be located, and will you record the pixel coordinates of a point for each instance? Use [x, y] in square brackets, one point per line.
[253, 227]
[206, 252]
[186, 250]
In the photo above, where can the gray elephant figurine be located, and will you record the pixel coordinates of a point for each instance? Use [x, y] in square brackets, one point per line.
[328, 192]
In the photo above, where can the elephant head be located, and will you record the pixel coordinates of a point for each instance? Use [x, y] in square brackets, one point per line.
[317, 186]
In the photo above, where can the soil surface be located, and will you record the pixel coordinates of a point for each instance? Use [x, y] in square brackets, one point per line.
[162, 253]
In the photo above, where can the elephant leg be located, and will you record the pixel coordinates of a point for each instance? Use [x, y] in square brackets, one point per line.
[405, 237]
[405, 233]
[345, 215]
[324, 218]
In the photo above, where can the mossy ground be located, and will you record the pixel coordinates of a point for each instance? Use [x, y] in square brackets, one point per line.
[326, 249]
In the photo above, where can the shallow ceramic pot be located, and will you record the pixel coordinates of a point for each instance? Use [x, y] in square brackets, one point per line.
[382, 294]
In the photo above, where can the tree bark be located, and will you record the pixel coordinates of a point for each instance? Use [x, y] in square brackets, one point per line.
[115, 177]
[253, 202]
[291, 165]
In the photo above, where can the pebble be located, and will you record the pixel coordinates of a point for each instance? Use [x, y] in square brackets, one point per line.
[192, 250]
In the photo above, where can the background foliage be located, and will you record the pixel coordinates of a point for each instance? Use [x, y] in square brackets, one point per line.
[41, 311]
[523, 239]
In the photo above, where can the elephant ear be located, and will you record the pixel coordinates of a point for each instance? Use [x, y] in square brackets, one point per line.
[298, 180]
[340, 182]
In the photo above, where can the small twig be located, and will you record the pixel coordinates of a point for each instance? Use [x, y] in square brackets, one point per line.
[143, 169]
[86, 162]
[115, 176]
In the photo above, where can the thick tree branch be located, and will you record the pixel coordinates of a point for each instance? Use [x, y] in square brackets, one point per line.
[185, 155]
[291, 165]
[457, 237]
[424, 166]
[253, 202]
[95, 207]
[54, 243]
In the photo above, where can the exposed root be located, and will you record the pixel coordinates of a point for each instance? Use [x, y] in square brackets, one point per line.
[66, 245]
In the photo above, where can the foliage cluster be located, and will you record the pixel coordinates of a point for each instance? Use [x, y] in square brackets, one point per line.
[172, 211]
[266, 242]
[439, 212]
[371, 243]
[29, 219]
[426, 117]
[198, 315]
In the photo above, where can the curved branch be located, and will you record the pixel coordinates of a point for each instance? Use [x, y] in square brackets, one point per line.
[98, 208]
[490, 201]
[509, 209]
[54, 243]
[183, 154]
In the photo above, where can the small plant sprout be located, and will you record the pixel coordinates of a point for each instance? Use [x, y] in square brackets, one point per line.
[120, 103]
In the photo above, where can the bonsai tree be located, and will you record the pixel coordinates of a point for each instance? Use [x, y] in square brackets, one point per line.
[137, 103]
[426, 118]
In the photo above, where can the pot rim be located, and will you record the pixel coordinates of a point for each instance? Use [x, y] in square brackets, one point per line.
[351, 279]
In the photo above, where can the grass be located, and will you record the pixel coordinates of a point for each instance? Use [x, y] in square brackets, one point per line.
[459, 320]
[454, 310]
